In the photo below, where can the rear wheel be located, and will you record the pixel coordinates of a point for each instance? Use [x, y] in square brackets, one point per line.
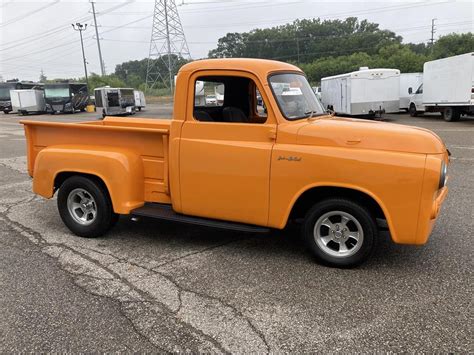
[6, 112]
[451, 114]
[85, 207]
[412, 110]
[340, 232]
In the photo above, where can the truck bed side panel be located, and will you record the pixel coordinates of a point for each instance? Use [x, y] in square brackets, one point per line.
[147, 139]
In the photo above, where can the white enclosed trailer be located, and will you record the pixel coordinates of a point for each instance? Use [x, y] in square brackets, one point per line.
[140, 101]
[27, 101]
[115, 101]
[362, 92]
[409, 83]
[448, 87]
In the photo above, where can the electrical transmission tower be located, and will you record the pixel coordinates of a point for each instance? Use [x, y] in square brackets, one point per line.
[168, 45]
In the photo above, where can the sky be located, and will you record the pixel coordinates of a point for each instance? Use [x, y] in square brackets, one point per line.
[37, 35]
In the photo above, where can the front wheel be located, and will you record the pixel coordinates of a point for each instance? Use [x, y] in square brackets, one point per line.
[85, 207]
[412, 110]
[340, 233]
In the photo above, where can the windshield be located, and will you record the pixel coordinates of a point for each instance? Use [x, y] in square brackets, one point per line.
[56, 92]
[5, 91]
[295, 97]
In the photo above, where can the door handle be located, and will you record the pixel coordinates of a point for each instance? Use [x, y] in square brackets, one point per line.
[353, 141]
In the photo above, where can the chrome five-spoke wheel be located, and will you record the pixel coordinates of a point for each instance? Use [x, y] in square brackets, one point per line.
[338, 234]
[82, 206]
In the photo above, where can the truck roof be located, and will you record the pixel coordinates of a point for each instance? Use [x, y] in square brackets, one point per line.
[261, 67]
[363, 73]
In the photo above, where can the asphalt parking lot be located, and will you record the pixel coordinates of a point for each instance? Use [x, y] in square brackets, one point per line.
[153, 286]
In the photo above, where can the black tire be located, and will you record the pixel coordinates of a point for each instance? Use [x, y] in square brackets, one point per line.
[451, 114]
[139, 109]
[6, 112]
[353, 209]
[412, 110]
[105, 217]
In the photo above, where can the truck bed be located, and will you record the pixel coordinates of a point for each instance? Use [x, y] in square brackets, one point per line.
[147, 138]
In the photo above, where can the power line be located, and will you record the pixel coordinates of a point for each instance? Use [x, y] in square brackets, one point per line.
[32, 12]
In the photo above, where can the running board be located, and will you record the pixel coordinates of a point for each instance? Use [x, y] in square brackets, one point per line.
[162, 211]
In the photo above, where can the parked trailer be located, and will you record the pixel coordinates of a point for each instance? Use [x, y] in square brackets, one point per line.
[5, 98]
[409, 82]
[115, 101]
[28, 101]
[66, 97]
[362, 92]
[448, 87]
[140, 101]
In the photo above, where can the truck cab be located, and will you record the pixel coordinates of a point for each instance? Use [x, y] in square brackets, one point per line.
[416, 106]
[236, 166]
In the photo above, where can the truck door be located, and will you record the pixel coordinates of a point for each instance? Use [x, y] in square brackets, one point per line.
[344, 103]
[225, 149]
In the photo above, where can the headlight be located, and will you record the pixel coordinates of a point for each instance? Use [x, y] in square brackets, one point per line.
[68, 105]
[443, 174]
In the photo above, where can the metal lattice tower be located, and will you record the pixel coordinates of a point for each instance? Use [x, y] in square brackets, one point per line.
[167, 44]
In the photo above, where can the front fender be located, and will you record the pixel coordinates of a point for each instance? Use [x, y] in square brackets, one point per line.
[121, 171]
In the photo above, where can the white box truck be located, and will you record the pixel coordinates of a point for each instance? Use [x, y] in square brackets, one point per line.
[409, 83]
[27, 101]
[448, 87]
[140, 101]
[363, 92]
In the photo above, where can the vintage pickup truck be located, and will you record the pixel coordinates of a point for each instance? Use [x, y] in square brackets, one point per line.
[236, 165]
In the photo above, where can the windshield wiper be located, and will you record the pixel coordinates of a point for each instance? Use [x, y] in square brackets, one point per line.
[314, 113]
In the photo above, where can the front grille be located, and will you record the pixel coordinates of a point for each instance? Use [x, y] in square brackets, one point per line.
[57, 107]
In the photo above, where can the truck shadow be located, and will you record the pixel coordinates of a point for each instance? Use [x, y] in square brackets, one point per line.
[287, 244]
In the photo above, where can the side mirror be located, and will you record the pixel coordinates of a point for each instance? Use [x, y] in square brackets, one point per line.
[410, 90]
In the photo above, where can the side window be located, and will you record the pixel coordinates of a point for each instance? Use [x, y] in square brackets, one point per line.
[420, 90]
[229, 99]
[260, 108]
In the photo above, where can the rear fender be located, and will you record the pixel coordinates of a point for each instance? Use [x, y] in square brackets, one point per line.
[121, 171]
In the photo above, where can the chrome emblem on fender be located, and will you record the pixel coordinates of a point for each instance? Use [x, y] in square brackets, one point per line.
[289, 158]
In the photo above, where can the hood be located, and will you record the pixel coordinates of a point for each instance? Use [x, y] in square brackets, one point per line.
[366, 134]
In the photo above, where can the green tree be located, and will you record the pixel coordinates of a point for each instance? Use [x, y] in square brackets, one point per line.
[42, 78]
[111, 80]
[453, 44]
[305, 40]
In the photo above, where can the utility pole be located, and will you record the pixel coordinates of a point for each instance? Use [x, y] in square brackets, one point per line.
[80, 27]
[167, 45]
[298, 48]
[433, 31]
[102, 69]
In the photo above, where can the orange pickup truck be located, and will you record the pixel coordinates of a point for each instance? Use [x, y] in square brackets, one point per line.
[244, 166]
